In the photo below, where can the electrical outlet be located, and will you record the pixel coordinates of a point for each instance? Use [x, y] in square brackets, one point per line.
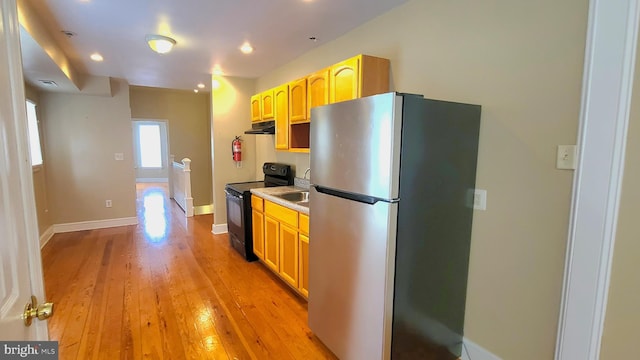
[476, 199]
[107, 203]
[480, 199]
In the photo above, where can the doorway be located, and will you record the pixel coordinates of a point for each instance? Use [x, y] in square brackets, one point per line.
[151, 150]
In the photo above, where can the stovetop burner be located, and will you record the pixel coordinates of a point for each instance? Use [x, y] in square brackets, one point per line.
[243, 187]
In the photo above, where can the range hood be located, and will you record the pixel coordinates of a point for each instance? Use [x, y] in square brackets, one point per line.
[266, 127]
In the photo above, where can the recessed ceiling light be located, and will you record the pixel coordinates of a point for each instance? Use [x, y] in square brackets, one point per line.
[246, 48]
[195, 90]
[96, 57]
[201, 86]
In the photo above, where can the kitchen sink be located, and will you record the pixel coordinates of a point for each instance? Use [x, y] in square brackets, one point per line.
[297, 197]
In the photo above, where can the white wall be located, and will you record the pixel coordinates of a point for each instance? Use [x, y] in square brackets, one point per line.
[231, 117]
[82, 134]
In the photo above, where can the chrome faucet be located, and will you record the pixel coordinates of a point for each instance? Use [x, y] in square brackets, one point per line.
[305, 173]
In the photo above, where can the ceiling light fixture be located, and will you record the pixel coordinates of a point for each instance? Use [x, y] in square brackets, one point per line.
[160, 43]
[201, 86]
[246, 48]
[96, 57]
[195, 91]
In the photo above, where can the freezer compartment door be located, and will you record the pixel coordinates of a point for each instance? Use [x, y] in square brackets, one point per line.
[352, 255]
[355, 145]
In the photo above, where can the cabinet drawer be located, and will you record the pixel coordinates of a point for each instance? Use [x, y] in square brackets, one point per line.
[256, 203]
[281, 213]
[304, 223]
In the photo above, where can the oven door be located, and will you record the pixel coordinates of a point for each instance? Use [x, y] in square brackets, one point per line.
[235, 221]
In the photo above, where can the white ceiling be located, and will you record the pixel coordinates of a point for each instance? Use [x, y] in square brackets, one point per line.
[208, 34]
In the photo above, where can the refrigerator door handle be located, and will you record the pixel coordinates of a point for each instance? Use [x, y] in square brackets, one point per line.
[351, 196]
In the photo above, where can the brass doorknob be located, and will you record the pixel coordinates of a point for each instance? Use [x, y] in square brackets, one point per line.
[33, 310]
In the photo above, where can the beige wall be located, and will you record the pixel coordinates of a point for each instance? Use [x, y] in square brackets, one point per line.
[231, 118]
[188, 116]
[621, 331]
[82, 134]
[522, 61]
[39, 175]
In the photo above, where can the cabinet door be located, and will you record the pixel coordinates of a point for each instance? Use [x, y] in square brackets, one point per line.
[345, 80]
[317, 90]
[298, 101]
[289, 254]
[266, 99]
[257, 218]
[303, 258]
[281, 96]
[255, 108]
[272, 243]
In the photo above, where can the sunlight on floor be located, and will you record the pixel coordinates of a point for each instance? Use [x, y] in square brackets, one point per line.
[153, 213]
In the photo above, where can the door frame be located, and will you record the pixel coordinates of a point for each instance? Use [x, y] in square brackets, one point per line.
[24, 169]
[604, 117]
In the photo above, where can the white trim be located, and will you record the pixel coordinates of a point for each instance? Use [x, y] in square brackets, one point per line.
[606, 96]
[203, 209]
[218, 229]
[473, 351]
[46, 236]
[152, 180]
[10, 31]
[91, 225]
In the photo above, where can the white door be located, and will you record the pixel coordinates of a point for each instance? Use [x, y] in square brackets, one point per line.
[20, 264]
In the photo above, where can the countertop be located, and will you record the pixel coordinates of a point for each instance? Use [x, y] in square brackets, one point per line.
[270, 193]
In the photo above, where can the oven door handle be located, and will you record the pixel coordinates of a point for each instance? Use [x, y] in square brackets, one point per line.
[233, 195]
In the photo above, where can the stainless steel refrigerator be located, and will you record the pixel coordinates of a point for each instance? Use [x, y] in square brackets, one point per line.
[390, 225]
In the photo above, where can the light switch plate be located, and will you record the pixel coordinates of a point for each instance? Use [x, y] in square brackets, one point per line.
[566, 157]
[119, 156]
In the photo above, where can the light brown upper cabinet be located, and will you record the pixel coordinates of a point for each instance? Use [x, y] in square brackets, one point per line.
[256, 114]
[298, 101]
[358, 77]
[266, 101]
[281, 96]
[317, 90]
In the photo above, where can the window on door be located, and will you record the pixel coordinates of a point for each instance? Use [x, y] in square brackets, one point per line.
[34, 135]
[150, 143]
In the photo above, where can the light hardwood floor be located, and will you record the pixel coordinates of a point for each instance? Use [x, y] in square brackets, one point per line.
[169, 289]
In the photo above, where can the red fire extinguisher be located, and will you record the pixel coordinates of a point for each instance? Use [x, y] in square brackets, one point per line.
[236, 149]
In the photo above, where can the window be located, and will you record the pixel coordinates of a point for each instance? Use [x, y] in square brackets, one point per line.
[34, 135]
[150, 146]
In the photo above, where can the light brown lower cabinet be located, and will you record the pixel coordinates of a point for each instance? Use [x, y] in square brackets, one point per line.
[281, 241]
[272, 243]
[303, 278]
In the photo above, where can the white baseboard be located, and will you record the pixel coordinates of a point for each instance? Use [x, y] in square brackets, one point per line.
[219, 229]
[203, 209]
[152, 180]
[473, 351]
[91, 225]
[46, 236]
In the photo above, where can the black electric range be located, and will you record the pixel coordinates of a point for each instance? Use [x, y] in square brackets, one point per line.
[238, 196]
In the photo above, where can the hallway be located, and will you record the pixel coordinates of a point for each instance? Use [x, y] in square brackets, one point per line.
[169, 289]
